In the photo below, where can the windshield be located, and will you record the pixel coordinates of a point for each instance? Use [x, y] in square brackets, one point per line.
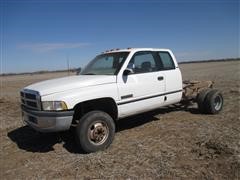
[105, 64]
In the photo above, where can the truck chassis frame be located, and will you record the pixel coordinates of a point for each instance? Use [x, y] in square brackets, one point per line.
[191, 89]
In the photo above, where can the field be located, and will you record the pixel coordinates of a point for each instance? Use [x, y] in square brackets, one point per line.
[167, 143]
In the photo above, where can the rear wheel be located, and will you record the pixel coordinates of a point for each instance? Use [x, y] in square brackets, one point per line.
[201, 98]
[213, 102]
[95, 131]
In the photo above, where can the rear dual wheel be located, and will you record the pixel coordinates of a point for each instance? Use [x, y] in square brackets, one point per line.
[210, 101]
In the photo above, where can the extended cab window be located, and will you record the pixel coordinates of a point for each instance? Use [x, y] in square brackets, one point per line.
[166, 59]
[142, 62]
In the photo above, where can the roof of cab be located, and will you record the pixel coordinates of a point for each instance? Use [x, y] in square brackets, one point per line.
[134, 49]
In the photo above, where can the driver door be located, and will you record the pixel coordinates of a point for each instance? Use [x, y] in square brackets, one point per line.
[140, 91]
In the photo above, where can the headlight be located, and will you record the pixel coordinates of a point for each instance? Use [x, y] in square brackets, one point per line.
[54, 106]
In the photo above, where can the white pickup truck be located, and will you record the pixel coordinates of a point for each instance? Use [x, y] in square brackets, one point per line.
[114, 85]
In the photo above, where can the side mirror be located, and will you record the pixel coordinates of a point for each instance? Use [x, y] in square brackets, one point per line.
[78, 70]
[127, 71]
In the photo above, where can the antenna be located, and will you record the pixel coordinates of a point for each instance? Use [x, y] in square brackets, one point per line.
[68, 66]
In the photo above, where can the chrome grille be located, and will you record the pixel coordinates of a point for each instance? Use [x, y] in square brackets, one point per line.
[30, 96]
[30, 99]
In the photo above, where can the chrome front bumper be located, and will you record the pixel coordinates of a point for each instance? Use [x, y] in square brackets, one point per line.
[47, 121]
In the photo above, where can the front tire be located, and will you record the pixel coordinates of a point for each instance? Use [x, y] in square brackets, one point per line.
[95, 131]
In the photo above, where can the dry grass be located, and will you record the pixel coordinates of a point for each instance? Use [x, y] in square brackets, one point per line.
[167, 143]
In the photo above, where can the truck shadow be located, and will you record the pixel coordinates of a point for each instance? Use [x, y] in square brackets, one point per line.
[30, 140]
[140, 119]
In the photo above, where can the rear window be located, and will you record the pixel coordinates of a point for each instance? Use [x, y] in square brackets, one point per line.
[167, 61]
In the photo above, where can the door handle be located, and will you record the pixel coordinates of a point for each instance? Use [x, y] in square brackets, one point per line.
[160, 78]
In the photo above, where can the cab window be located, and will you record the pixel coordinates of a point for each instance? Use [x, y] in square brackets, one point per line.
[166, 60]
[142, 62]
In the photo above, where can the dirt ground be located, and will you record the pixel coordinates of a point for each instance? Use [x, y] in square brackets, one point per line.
[167, 143]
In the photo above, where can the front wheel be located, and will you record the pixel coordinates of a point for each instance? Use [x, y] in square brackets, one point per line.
[95, 131]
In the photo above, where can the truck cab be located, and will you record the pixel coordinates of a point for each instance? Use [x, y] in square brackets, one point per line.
[149, 78]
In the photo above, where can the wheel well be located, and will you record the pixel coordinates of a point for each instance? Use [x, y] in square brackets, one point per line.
[107, 105]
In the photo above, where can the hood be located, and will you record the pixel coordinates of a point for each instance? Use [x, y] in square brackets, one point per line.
[71, 82]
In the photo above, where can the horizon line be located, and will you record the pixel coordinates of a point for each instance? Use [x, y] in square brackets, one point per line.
[75, 68]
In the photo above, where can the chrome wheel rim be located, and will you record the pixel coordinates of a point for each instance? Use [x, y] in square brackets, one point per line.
[98, 132]
[218, 103]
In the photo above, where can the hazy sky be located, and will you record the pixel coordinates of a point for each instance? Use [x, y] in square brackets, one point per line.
[42, 34]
